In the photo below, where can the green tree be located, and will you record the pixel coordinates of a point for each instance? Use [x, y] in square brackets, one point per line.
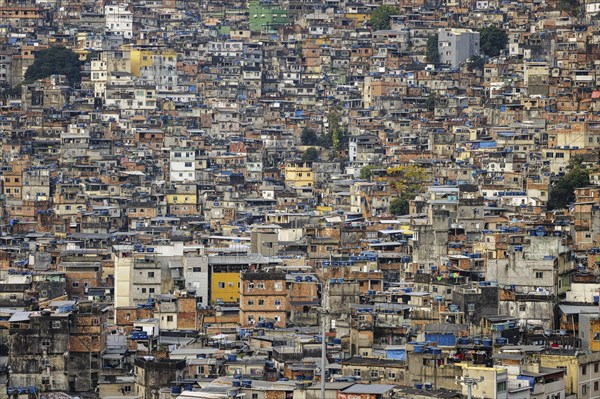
[325, 141]
[309, 137]
[407, 182]
[492, 40]
[55, 60]
[562, 191]
[334, 128]
[380, 17]
[310, 155]
[430, 103]
[476, 62]
[569, 6]
[367, 171]
[11, 92]
[399, 206]
[433, 53]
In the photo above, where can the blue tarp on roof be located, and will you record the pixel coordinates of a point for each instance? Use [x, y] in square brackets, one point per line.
[395, 354]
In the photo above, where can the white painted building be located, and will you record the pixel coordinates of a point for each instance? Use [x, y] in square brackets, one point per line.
[119, 20]
[182, 165]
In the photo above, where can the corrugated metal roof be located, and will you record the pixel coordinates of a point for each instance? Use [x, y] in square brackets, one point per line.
[577, 309]
[374, 389]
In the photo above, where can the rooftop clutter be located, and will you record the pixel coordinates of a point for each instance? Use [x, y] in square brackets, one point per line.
[299, 199]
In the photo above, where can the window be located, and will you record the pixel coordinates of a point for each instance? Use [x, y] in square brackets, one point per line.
[595, 364]
[471, 307]
[277, 302]
[501, 386]
[261, 286]
[127, 388]
[584, 389]
[583, 370]
[374, 373]
[221, 284]
[595, 385]
[150, 274]
[56, 324]
[250, 285]
[45, 380]
[356, 372]
[169, 318]
[539, 274]
[261, 302]
[250, 302]
[151, 290]
[197, 269]
[522, 308]
[13, 297]
[45, 342]
[391, 375]
[75, 284]
[143, 290]
[254, 396]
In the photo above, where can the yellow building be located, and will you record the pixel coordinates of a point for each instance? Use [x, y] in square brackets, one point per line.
[581, 368]
[225, 274]
[299, 174]
[359, 17]
[141, 58]
[181, 199]
[494, 383]
[225, 287]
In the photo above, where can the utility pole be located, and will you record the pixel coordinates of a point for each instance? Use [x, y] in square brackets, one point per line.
[469, 382]
[324, 314]
[323, 350]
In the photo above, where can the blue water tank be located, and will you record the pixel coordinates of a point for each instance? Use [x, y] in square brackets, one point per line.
[176, 389]
[476, 341]
[418, 386]
[487, 342]
[232, 357]
[501, 341]
[463, 341]
[419, 348]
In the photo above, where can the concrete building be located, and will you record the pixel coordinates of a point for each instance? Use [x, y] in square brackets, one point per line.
[119, 20]
[457, 45]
